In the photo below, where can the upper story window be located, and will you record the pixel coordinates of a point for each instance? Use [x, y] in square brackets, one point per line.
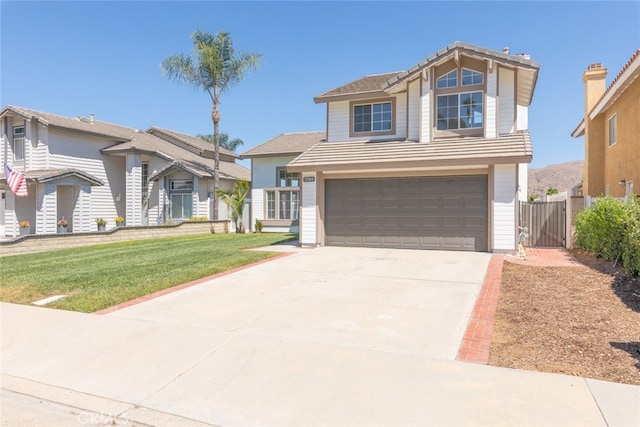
[181, 185]
[18, 130]
[287, 179]
[613, 130]
[460, 111]
[460, 102]
[448, 80]
[372, 118]
[470, 77]
[18, 149]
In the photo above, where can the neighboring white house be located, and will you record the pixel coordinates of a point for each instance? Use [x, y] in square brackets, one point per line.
[82, 169]
[434, 157]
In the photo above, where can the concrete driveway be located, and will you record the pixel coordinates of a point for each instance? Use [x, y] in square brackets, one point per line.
[330, 336]
[400, 301]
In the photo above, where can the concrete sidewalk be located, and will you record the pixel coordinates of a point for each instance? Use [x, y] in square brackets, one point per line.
[214, 355]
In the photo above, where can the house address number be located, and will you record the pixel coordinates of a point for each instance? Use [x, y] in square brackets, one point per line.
[308, 178]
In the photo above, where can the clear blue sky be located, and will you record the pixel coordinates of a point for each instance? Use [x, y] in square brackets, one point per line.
[75, 58]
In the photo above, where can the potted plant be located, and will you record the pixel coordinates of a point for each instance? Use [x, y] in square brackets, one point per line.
[62, 225]
[119, 221]
[102, 224]
[25, 228]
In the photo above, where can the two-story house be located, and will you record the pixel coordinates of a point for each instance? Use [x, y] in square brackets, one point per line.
[611, 130]
[434, 157]
[83, 169]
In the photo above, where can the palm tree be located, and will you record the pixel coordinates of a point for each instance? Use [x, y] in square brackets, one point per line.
[234, 198]
[224, 141]
[215, 67]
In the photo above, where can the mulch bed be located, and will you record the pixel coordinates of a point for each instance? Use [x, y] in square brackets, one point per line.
[581, 321]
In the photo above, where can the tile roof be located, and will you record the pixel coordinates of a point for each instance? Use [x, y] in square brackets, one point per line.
[44, 175]
[286, 143]
[371, 83]
[190, 140]
[381, 82]
[389, 154]
[128, 139]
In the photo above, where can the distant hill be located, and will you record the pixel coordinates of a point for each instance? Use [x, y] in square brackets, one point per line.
[560, 177]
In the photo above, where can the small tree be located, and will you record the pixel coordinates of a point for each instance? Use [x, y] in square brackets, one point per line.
[234, 198]
[551, 191]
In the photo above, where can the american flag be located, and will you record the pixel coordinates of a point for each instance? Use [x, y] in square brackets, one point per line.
[16, 181]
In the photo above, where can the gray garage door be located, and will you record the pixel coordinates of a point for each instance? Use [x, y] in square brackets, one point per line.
[423, 213]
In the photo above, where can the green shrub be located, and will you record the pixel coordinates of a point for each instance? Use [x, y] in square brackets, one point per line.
[631, 241]
[611, 229]
[258, 226]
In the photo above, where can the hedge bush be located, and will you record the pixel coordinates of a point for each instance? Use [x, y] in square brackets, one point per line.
[611, 229]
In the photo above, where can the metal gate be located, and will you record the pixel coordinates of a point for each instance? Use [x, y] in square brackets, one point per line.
[546, 222]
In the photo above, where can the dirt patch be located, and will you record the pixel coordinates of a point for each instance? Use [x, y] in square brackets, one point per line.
[582, 320]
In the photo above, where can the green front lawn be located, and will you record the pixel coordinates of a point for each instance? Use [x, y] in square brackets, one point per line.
[97, 277]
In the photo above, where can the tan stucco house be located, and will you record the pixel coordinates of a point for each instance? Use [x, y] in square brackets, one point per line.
[82, 169]
[434, 157]
[611, 130]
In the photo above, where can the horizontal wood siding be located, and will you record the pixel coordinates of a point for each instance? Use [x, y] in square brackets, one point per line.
[413, 128]
[264, 170]
[523, 117]
[257, 205]
[490, 130]
[133, 214]
[339, 117]
[504, 207]
[38, 147]
[506, 101]
[425, 113]
[523, 181]
[308, 211]
[68, 150]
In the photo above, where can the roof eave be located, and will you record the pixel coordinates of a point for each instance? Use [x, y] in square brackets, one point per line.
[350, 96]
[579, 130]
[619, 86]
[525, 158]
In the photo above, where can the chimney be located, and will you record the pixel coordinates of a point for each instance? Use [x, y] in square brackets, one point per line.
[594, 85]
[91, 116]
[505, 50]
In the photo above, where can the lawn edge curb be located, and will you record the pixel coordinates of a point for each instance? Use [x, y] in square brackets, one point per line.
[186, 285]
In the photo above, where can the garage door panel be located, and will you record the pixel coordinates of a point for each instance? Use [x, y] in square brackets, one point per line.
[427, 212]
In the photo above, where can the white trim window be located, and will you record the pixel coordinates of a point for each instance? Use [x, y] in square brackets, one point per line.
[448, 80]
[460, 111]
[470, 77]
[613, 130]
[18, 149]
[282, 204]
[181, 206]
[374, 117]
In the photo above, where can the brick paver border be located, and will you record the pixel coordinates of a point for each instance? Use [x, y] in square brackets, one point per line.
[476, 343]
[154, 295]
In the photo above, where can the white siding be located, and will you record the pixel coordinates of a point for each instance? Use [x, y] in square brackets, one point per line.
[506, 101]
[133, 215]
[425, 113]
[523, 117]
[155, 195]
[47, 208]
[68, 150]
[523, 181]
[490, 108]
[82, 219]
[264, 170]
[413, 131]
[338, 118]
[504, 207]
[308, 211]
[38, 144]
[257, 205]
